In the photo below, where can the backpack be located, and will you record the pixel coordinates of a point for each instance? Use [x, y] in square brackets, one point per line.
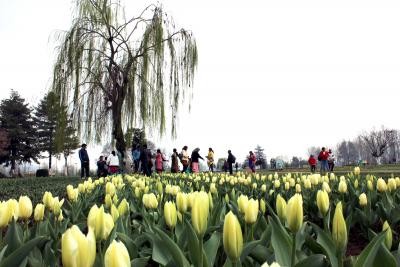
[319, 158]
[180, 156]
[233, 159]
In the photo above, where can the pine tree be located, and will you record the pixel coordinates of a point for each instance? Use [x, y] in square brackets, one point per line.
[15, 118]
[260, 156]
[70, 143]
[46, 117]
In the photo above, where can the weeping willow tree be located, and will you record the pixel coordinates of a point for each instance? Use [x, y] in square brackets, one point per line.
[118, 73]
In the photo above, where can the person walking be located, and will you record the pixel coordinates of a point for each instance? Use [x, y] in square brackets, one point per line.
[210, 159]
[231, 160]
[159, 161]
[174, 163]
[145, 160]
[84, 158]
[184, 157]
[195, 160]
[136, 158]
[252, 161]
[113, 163]
[313, 163]
[323, 158]
[331, 160]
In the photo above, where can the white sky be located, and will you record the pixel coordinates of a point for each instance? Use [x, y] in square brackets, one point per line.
[283, 74]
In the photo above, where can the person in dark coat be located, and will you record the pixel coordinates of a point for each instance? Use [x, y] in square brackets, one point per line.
[175, 163]
[231, 160]
[84, 158]
[101, 167]
[195, 160]
[145, 159]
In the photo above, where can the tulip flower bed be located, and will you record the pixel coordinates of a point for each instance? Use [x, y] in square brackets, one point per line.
[208, 220]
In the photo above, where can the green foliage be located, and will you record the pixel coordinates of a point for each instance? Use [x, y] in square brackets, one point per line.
[15, 117]
[118, 73]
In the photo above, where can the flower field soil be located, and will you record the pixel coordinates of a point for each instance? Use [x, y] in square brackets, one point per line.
[206, 219]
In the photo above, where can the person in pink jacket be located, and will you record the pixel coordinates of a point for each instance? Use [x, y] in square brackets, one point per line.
[159, 161]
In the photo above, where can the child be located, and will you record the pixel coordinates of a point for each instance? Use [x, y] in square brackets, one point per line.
[313, 163]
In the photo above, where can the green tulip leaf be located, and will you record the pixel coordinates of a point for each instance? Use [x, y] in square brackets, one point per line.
[316, 260]
[140, 262]
[13, 238]
[325, 241]
[248, 248]
[211, 247]
[2, 252]
[376, 254]
[19, 255]
[176, 253]
[193, 244]
[281, 242]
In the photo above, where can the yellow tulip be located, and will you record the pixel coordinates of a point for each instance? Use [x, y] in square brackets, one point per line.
[39, 212]
[14, 207]
[388, 236]
[242, 203]
[72, 193]
[78, 249]
[110, 189]
[281, 207]
[362, 200]
[48, 200]
[232, 237]
[357, 170]
[298, 188]
[339, 228]
[323, 202]
[391, 184]
[56, 206]
[381, 185]
[342, 186]
[101, 222]
[123, 207]
[117, 255]
[114, 213]
[294, 213]
[262, 206]
[277, 183]
[5, 214]
[25, 207]
[108, 201]
[200, 211]
[370, 185]
[170, 214]
[182, 202]
[150, 201]
[251, 211]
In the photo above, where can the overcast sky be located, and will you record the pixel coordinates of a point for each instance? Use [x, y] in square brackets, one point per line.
[283, 74]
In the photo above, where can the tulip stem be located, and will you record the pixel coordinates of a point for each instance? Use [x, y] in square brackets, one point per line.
[293, 250]
[201, 250]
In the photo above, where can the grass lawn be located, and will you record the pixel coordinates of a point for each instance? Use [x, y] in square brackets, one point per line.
[35, 187]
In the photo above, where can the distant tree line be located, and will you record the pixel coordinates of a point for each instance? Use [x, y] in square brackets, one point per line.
[378, 146]
[26, 132]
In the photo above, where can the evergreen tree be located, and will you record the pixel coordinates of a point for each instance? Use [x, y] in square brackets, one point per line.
[4, 142]
[260, 156]
[47, 114]
[15, 117]
[70, 143]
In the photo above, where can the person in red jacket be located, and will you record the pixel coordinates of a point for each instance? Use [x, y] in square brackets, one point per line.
[323, 157]
[312, 161]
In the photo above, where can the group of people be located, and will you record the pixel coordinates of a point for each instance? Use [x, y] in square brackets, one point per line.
[143, 160]
[326, 159]
[105, 165]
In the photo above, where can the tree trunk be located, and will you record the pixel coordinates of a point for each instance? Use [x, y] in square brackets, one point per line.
[50, 160]
[65, 166]
[120, 143]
